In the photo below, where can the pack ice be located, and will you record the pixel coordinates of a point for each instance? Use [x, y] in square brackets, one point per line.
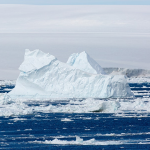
[44, 76]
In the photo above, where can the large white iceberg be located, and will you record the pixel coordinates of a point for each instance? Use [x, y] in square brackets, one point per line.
[44, 76]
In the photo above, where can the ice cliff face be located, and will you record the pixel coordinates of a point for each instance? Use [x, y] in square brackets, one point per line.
[85, 63]
[43, 76]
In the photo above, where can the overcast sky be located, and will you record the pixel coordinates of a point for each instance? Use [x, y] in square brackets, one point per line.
[74, 18]
[77, 2]
[115, 36]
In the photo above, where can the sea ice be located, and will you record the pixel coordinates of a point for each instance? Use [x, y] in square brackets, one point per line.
[119, 106]
[66, 119]
[80, 141]
[44, 76]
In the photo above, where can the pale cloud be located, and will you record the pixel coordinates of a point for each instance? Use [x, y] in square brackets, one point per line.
[77, 2]
[51, 18]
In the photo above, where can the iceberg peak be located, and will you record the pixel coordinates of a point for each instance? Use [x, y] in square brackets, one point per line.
[35, 53]
[85, 63]
[84, 52]
[34, 60]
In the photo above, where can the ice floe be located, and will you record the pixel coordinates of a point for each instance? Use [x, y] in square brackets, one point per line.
[93, 141]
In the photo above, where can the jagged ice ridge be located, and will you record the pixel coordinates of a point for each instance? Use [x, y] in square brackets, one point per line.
[85, 63]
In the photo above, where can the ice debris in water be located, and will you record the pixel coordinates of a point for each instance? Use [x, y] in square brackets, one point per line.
[119, 106]
[14, 108]
[43, 76]
[5, 99]
[80, 141]
[66, 119]
[21, 107]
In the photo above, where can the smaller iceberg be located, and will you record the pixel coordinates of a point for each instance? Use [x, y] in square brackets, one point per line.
[85, 63]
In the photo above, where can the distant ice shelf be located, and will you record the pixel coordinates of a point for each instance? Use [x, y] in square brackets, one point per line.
[44, 76]
[130, 73]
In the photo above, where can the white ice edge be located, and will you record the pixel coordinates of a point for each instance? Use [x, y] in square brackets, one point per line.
[16, 107]
[80, 141]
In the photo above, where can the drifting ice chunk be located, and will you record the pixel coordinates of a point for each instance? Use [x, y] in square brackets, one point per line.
[84, 62]
[43, 76]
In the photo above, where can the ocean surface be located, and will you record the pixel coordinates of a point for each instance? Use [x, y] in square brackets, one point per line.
[38, 129]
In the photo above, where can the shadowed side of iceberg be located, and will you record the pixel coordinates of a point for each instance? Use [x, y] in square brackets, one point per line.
[54, 79]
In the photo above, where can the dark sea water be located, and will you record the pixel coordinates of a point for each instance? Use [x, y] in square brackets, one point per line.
[77, 130]
[132, 133]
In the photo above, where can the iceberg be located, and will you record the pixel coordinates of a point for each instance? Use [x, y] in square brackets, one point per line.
[85, 63]
[44, 76]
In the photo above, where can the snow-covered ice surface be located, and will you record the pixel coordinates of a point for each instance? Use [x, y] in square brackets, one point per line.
[43, 76]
